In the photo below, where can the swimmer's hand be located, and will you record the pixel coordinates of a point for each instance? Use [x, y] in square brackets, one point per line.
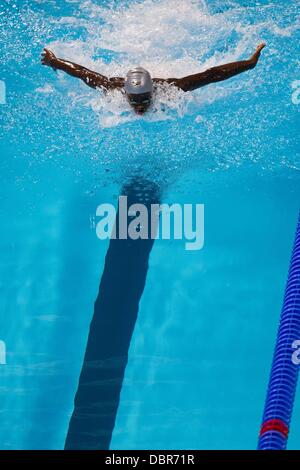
[260, 47]
[254, 58]
[48, 58]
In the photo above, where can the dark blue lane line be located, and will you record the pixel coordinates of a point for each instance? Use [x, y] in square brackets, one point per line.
[285, 367]
[115, 313]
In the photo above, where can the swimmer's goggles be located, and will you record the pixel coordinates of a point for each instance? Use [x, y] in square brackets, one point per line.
[137, 101]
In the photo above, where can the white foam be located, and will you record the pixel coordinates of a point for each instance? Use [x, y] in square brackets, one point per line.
[170, 38]
[47, 88]
[167, 37]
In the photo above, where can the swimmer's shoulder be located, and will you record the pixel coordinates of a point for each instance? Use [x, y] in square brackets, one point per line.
[115, 83]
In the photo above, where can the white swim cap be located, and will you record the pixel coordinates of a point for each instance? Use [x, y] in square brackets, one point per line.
[138, 81]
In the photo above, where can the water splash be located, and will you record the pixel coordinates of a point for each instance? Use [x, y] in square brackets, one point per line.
[210, 129]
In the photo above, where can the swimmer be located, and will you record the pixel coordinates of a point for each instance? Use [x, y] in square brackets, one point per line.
[139, 85]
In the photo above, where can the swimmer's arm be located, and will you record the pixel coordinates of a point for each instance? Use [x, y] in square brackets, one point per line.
[217, 74]
[92, 79]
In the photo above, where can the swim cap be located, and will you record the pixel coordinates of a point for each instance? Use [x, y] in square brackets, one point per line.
[138, 81]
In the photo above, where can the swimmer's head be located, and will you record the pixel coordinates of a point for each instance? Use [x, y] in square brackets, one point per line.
[139, 87]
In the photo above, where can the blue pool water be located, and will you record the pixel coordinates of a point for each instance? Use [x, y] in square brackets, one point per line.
[202, 346]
